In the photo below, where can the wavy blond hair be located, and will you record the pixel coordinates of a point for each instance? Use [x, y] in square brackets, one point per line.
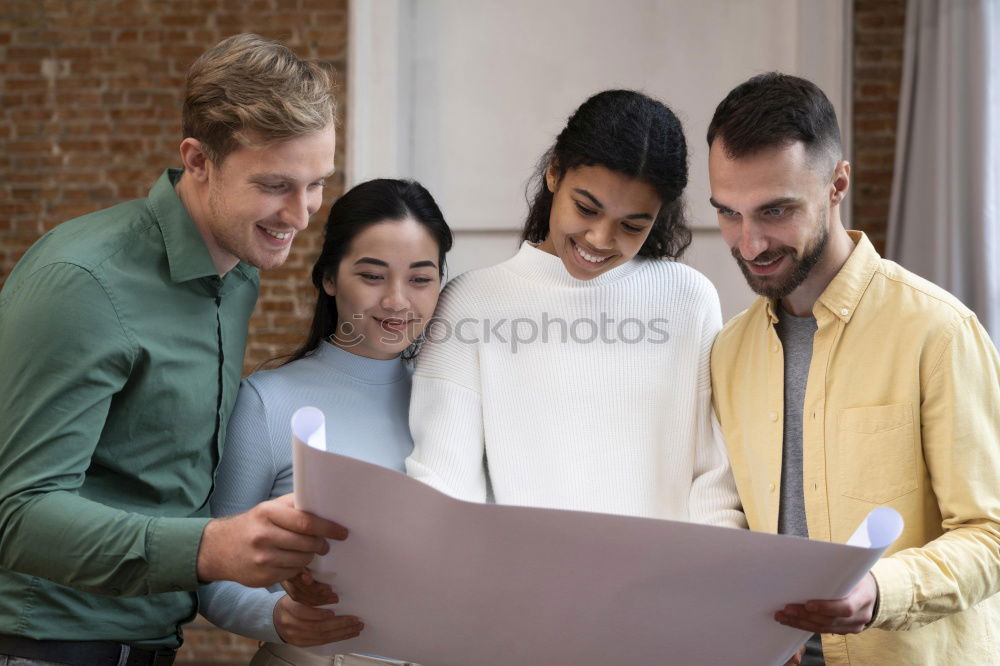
[250, 90]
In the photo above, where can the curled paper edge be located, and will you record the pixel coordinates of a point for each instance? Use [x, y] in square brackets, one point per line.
[878, 530]
[309, 427]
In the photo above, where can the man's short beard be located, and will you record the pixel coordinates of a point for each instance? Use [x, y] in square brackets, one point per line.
[800, 268]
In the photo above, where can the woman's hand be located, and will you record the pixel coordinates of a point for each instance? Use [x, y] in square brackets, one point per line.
[304, 626]
[305, 589]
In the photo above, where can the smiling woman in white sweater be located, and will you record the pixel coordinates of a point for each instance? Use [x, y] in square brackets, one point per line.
[575, 375]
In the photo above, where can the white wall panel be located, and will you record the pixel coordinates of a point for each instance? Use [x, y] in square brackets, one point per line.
[466, 96]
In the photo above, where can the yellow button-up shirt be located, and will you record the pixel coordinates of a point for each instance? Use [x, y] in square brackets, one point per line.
[902, 409]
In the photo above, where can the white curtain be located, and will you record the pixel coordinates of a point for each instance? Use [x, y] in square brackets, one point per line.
[944, 219]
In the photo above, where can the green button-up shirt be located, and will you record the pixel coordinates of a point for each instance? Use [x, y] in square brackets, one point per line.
[121, 351]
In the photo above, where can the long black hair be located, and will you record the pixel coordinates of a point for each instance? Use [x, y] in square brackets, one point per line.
[360, 207]
[633, 134]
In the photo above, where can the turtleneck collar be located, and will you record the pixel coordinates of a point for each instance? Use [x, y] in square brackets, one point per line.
[535, 264]
[361, 368]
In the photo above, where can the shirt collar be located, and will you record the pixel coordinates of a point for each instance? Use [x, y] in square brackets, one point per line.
[842, 295]
[187, 255]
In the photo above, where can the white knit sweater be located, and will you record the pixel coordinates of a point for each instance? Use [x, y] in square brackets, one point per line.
[535, 388]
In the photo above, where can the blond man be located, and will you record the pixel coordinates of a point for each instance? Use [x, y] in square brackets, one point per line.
[121, 344]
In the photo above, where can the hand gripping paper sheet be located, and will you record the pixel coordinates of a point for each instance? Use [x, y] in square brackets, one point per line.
[443, 582]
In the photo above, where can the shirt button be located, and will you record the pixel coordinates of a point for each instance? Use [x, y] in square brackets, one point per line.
[844, 311]
[770, 487]
[774, 347]
[773, 416]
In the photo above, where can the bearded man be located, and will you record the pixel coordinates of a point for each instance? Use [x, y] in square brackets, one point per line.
[852, 384]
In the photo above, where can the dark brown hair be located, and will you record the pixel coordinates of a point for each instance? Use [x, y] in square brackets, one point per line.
[774, 110]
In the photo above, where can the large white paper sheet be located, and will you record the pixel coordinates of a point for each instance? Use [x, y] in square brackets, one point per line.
[443, 582]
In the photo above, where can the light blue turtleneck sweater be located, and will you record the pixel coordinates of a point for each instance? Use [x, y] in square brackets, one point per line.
[366, 403]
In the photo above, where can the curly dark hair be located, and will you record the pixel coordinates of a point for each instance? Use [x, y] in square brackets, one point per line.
[633, 134]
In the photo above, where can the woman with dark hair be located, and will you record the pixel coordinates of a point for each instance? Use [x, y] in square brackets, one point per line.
[378, 277]
[575, 375]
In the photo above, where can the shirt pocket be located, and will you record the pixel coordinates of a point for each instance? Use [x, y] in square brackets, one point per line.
[877, 460]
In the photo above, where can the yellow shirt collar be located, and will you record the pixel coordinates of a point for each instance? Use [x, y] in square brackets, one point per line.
[842, 295]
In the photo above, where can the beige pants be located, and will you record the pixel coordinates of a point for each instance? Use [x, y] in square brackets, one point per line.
[274, 654]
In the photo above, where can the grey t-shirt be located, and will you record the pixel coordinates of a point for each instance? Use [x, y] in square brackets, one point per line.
[796, 335]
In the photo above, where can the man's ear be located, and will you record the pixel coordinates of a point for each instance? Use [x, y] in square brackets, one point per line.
[841, 182]
[196, 162]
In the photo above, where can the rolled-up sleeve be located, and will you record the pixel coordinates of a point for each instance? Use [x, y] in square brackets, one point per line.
[960, 431]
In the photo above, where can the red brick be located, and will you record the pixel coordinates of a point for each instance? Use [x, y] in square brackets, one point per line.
[878, 6]
[877, 72]
[279, 306]
[867, 20]
[868, 90]
[26, 84]
[39, 113]
[77, 98]
[28, 52]
[92, 145]
[83, 82]
[27, 67]
[29, 146]
[187, 53]
[137, 97]
[879, 107]
[11, 208]
[40, 160]
[122, 20]
[175, 36]
[36, 97]
[78, 52]
[275, 338]
[205, 36]
[183, 20]
[875, 37]
[25, 178]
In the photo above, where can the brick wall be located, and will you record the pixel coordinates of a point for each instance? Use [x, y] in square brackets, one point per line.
[90, 98]
[90, 116]
[878, 56]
